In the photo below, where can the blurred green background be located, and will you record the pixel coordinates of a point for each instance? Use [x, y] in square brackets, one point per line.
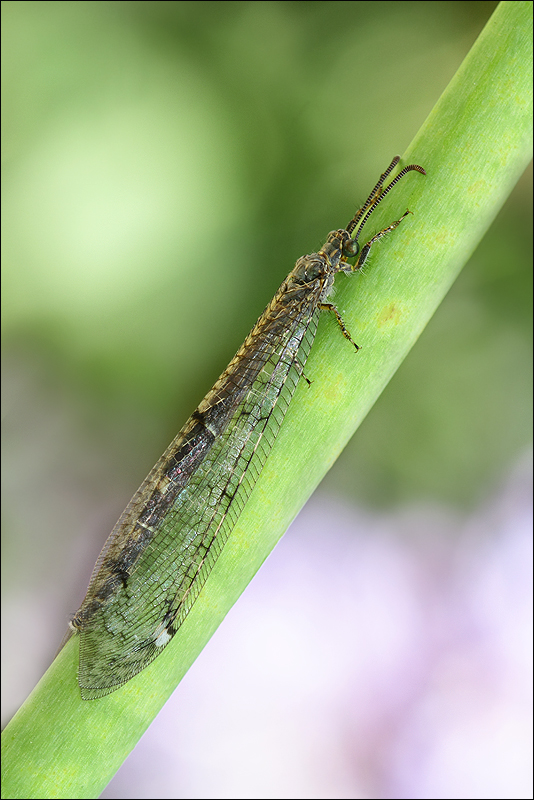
[165, 164]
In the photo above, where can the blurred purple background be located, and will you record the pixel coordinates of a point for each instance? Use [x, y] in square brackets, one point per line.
[164, 164]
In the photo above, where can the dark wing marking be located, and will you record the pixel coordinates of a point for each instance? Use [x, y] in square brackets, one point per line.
[163, 548]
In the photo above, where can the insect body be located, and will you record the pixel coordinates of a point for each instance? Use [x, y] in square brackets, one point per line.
[165, 544]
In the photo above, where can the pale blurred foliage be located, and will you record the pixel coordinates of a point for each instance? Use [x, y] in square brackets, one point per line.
[164, 164]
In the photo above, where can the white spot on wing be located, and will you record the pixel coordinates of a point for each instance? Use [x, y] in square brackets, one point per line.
[163, 639]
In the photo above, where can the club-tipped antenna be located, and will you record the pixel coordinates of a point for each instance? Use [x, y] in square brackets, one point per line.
[378, 194]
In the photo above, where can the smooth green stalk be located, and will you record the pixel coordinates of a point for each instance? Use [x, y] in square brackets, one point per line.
[474, 145]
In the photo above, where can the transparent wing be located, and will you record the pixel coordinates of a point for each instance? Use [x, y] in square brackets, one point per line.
[168, 539]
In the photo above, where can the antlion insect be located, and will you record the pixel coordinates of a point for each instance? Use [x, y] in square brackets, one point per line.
[165, 544]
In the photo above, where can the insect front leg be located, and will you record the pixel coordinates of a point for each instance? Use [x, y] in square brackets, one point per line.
[364, 252]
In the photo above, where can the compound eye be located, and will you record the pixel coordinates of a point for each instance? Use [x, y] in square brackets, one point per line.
[350, 248]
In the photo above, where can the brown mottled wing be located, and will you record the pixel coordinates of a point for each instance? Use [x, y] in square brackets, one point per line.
[164, 546]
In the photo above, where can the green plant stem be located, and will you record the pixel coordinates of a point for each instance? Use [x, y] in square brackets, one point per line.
[474, 145]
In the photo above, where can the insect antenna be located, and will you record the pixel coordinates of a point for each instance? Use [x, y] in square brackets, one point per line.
[378, 194]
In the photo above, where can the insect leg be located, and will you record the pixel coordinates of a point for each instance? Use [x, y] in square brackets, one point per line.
[344, 331]
[364, 252]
